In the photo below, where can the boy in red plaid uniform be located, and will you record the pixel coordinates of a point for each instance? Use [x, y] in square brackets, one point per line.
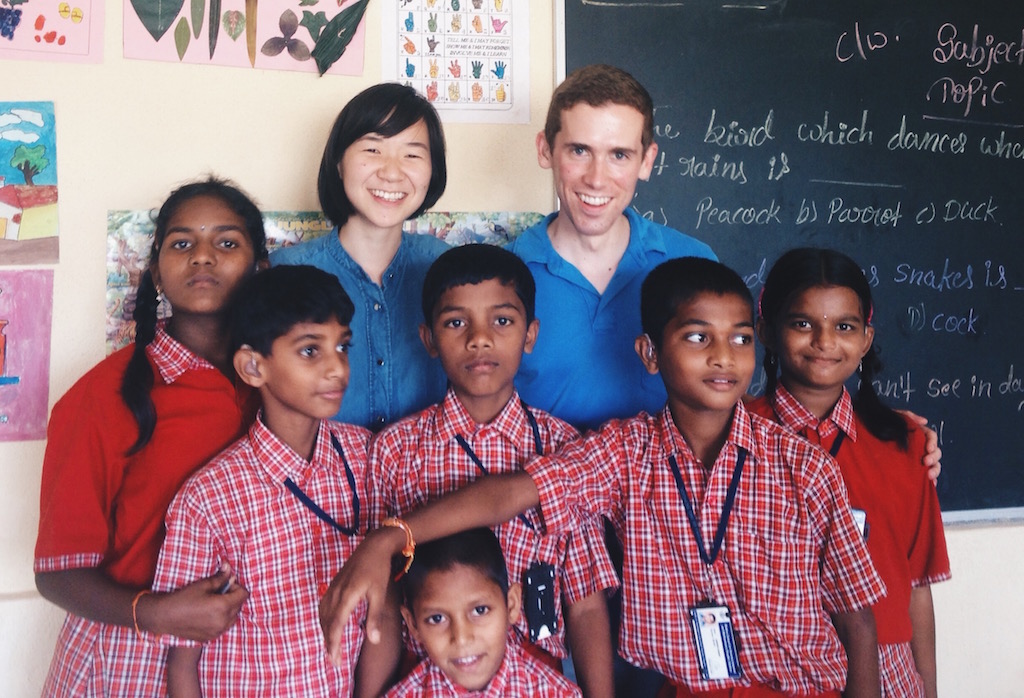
[478, 308]
[460, 605]
[284, 506]
[744, 572]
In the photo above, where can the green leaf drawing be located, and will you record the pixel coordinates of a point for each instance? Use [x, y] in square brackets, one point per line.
[156, 15]
[234, 23]
[313, 23]
[181, 37]
[198, 10]
[214, 24]
[336, 35]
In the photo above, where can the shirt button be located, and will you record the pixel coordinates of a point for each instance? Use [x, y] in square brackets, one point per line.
[380, 362]
[317, 530]
[321, 589]
[379, 420]
[376, 306]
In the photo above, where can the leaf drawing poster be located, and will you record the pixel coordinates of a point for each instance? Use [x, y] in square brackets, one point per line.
[26, 308]
[52, 30]
[28, 183]
[322, 36]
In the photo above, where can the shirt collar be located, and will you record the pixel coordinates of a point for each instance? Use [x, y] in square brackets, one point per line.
[334, 247]
[171, 357]
[511, 423]
[741, 434]
[280, 461]
[799, 419]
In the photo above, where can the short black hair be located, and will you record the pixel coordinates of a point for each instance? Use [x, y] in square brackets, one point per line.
[388, 109]
[474, 264]
[677, 281]
[477, 548]
[274, 300]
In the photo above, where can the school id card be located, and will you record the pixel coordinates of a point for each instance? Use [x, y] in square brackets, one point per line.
[716, 644]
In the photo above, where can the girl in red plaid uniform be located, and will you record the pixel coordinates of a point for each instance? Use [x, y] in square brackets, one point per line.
[816, 326]
[124, 438]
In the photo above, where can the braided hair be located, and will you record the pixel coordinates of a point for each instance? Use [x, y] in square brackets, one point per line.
[137, 381]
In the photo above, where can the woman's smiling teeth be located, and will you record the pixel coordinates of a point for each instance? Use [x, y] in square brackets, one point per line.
[388, 195]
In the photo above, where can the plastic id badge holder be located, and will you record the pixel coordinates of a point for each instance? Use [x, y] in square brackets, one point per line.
[716, 644]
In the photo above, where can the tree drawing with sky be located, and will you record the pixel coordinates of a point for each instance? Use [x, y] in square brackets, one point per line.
[30, 161]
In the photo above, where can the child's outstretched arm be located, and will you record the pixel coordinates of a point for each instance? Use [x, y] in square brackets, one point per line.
[487, 502]
[183, 672]
[857, 632]
[197, 611]
[922, 644]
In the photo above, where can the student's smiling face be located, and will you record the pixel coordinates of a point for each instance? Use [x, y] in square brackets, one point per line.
[386, 179]
[462, 619]
[706, 358]
[821, 338]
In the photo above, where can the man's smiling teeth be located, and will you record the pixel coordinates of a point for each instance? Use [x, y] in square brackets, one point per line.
[388, 195]
[595, 200]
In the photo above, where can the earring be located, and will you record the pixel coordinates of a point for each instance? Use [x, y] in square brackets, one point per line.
[860, 367]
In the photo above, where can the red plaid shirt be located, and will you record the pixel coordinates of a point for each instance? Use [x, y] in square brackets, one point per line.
[101, 508]
[238, 510]
[418, 459]
[905, 534]
[792, 553]
[519, 676]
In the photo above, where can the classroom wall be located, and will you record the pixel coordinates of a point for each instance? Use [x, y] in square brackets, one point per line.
[129, 131]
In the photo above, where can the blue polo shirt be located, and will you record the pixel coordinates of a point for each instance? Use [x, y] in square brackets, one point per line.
[391, 374]
[583, 368]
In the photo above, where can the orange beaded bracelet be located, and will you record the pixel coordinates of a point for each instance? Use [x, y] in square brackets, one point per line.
[135, 613]
[410, 543]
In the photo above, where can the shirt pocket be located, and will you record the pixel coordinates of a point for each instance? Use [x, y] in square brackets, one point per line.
[777, 578]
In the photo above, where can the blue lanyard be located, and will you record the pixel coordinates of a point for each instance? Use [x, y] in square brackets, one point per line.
[730, 498]
[315, 508]
[479, 464]
[837, 444]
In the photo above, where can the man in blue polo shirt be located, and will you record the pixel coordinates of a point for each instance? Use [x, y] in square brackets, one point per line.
[590, 257]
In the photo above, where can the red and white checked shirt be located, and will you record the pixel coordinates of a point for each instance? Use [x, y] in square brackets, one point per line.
[102, 508]
[905, 534]
[792, 553]
[238, 510]
[518, 677]
[418, 459]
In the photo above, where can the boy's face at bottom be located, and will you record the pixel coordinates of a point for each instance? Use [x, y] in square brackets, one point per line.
[306, 372]
[462, 619]
[480, 332]
[706, 358]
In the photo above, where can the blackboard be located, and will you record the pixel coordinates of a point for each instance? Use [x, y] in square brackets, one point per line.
[893, 131]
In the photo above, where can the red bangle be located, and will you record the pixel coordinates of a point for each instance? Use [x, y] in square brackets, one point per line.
[410, 543]
[135, 613]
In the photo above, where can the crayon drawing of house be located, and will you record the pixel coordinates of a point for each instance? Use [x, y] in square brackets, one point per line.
[28, 212]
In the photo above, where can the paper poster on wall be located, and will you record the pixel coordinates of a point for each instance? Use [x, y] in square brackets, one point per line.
[52, 30]
[130, 235]
[26, 308]
[28, 183]
[470, 58]
[315, 36]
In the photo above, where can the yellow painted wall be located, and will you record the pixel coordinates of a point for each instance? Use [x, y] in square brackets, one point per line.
[130, 131]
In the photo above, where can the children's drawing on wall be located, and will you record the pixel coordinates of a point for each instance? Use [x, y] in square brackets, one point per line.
[322, 36]
[28, 183]
[468, 57]
[130, 234]
[26, 307]
[52, 30]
